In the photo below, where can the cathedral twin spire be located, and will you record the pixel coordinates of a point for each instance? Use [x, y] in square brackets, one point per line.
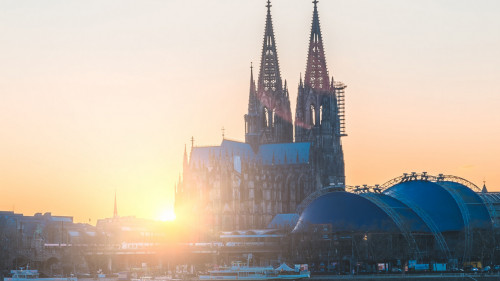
[269, 118]
[316, 75]
[319, 110]
[269, 74]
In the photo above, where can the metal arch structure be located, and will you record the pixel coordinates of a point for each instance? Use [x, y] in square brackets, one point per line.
[492, 202]
[311, 197]
[348, 188]
[406, 177]
[462, 181]
[443, 246]
[464, 210]
[438, 236]
[456, 197]
[413, 176]
[368, 193]
[396, 218]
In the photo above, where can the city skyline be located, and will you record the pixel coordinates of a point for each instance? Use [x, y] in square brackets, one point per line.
[97, 100]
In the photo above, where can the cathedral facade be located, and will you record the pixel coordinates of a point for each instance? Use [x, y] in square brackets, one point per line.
[243, 185]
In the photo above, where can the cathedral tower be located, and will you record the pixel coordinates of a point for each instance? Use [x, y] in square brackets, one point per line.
[253, 126]
[317, 116]
[269, 118]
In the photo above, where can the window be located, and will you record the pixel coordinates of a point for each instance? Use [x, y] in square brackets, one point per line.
[313, 115]
[266, 112]
[321, 114]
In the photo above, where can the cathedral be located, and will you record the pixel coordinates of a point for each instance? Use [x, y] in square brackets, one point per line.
[243, 185]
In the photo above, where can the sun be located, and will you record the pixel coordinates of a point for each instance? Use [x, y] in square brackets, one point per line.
[166, 215]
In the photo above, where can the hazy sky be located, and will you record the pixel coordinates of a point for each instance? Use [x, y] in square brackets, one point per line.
[98, 96]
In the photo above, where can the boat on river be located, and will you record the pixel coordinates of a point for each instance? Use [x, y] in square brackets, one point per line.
[287, 273]
[33, 275]
[242, 272]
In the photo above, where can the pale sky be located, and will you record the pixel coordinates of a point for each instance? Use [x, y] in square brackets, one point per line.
[98, 96]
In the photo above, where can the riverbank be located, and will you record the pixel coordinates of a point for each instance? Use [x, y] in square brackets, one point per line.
[411, 277]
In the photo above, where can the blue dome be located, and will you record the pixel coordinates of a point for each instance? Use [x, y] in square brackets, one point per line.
[410, 220]
[447, 207]
[477, 214]
[346, 212]
[430, 200]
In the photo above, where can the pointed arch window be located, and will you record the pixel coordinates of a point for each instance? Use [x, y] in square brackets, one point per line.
[264, 121]
[272, 118]
[313, 114]
[321, 114]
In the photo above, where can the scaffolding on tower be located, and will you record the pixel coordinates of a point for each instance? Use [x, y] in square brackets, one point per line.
[340, 93]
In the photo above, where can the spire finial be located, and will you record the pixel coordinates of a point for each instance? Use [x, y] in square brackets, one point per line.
[268, 4]
[251, 72]
[223, 131]
[192, 142]
[315, 2]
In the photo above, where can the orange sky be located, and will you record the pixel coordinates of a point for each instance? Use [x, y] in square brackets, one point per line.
[98, 96]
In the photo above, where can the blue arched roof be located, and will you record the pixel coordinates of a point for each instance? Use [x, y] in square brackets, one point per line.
[479, 215]
[346, 212]
[409, 218]
[431, 200]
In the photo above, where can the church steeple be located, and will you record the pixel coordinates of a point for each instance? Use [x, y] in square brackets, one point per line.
[484, 190]
[316, 75]
[252, 119]
[269, 74]
[253, 104]
[269, 118]
[317, 118]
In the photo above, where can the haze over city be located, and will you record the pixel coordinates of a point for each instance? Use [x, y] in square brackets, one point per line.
[102, 96]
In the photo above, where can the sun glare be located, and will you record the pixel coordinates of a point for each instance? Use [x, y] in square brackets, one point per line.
[166, 215]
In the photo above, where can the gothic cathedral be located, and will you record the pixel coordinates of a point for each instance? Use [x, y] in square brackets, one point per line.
[238, 185]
